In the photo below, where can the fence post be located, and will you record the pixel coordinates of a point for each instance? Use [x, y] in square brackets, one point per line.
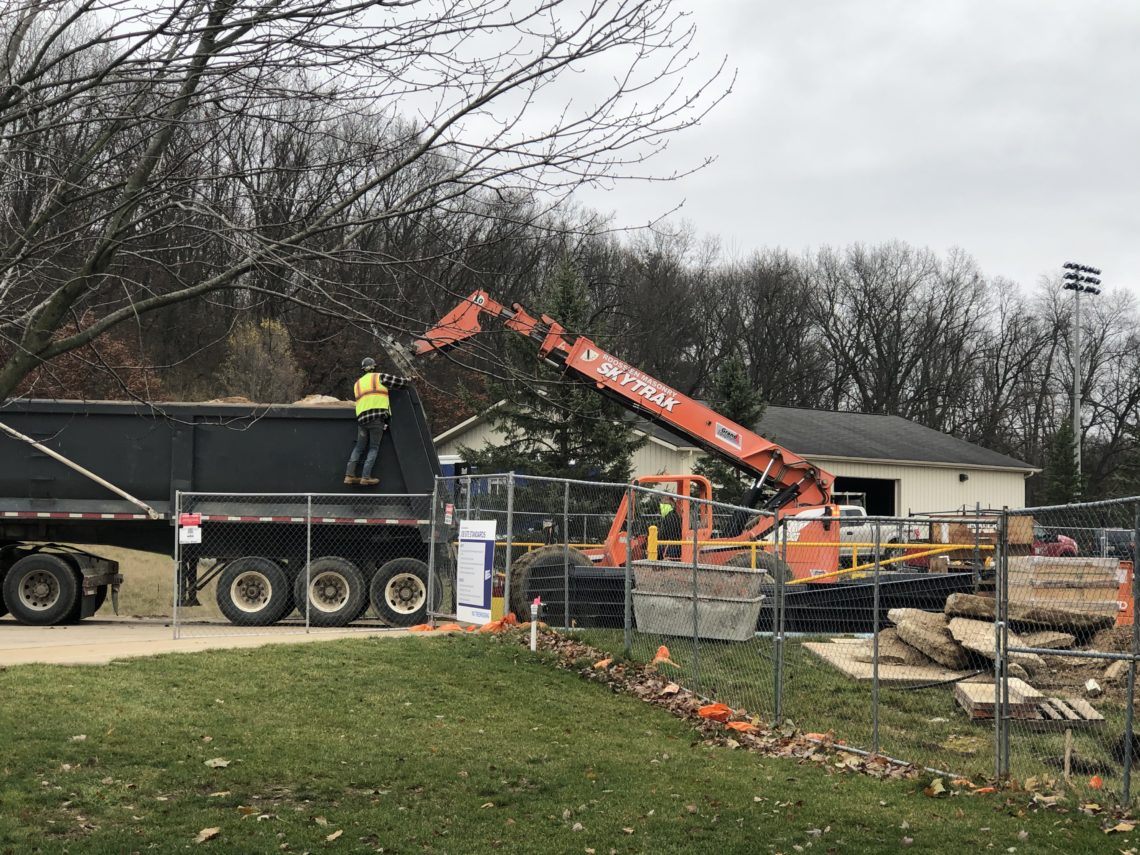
[627, 599]
[696, 615]
[566, 556]
[1129, 724]
[177, 559]
[1001, 642]
[875, 645]
[510, 526]
[308, 555]
[467, 498]
[433, 535]
[781, 543]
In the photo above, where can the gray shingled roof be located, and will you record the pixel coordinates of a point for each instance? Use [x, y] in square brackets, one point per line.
[863, 436]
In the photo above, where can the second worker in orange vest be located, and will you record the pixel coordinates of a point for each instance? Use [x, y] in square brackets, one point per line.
[373, 412]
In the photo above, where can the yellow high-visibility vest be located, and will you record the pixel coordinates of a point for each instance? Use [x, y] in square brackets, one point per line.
[371, 394]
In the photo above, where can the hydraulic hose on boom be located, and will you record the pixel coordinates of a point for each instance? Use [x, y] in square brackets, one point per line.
[786, 479]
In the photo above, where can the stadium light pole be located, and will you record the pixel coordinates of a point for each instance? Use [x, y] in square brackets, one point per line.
[1078, 278]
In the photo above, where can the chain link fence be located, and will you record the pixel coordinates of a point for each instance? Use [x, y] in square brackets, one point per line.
[1068, 628]
[983, 644]
[246, 563]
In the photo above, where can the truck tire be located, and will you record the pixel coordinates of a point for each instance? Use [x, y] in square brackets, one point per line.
[334, 590]
[399, 592]
[766, 562]
[42, 589]
[253, 591]
[544, 557]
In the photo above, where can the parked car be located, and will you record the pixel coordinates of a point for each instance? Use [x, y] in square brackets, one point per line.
[1053, 544]
[1118, 543]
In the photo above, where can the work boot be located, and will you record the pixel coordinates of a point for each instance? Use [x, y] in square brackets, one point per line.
[350, 480]
[368, 482]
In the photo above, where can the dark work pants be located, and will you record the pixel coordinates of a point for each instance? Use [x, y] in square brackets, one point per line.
[367, 437]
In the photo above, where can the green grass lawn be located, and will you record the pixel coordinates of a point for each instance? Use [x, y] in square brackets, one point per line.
[455, 744]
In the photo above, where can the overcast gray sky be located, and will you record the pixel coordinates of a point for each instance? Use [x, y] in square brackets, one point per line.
[1010, 128]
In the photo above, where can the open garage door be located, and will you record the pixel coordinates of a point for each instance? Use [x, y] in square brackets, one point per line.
[880, 495]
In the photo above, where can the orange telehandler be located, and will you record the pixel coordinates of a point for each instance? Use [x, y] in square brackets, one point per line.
[784, 483]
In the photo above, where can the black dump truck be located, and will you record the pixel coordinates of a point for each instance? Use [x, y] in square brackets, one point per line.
[278, 529]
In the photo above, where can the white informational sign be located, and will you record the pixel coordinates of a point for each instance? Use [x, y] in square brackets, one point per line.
[190, 534]
[473, 570]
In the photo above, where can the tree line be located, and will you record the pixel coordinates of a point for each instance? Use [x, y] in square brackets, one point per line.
[889, 329]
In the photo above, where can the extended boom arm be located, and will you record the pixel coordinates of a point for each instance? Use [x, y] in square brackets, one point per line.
[794, 480]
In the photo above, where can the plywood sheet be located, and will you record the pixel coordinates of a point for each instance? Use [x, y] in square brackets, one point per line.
[840, 656]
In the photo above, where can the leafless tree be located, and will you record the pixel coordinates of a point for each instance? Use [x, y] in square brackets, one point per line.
[154, 154]
[899, 325]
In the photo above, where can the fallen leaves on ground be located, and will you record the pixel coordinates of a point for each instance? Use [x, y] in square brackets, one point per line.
[207, 834]
[644, 682]
[330, 838]
[217, 763]
[603, 663]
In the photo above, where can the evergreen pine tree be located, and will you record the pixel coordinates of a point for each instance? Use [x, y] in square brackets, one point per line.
[734, 397]
[556, 426]
[1061, 480]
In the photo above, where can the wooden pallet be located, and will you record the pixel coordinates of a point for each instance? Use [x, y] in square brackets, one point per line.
[1065, 714]
[977, 699]
[1028, 707]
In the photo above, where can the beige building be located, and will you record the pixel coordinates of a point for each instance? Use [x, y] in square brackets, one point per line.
[890, 465]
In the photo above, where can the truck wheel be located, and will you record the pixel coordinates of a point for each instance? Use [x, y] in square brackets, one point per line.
[41, 589]
[253, 591]
[766, 562]
[399, 592]
[545, 557]
[334, 590]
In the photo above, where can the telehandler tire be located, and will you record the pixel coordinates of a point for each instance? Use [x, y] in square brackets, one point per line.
[766, 562]
[553, 557]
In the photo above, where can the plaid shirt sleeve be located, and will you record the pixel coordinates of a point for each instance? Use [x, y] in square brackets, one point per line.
[393, 381]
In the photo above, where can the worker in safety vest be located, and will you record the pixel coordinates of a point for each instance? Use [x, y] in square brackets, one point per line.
[669, 527]
[373, 412]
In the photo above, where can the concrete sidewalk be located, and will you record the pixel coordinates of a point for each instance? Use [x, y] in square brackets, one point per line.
[97, 642]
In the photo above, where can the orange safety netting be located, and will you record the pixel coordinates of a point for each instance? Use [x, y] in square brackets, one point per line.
[716, 712]
[494, 626]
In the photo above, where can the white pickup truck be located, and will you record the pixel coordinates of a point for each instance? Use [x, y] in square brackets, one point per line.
[857, 533]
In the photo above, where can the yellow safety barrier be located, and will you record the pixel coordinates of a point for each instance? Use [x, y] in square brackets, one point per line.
[653, 544]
